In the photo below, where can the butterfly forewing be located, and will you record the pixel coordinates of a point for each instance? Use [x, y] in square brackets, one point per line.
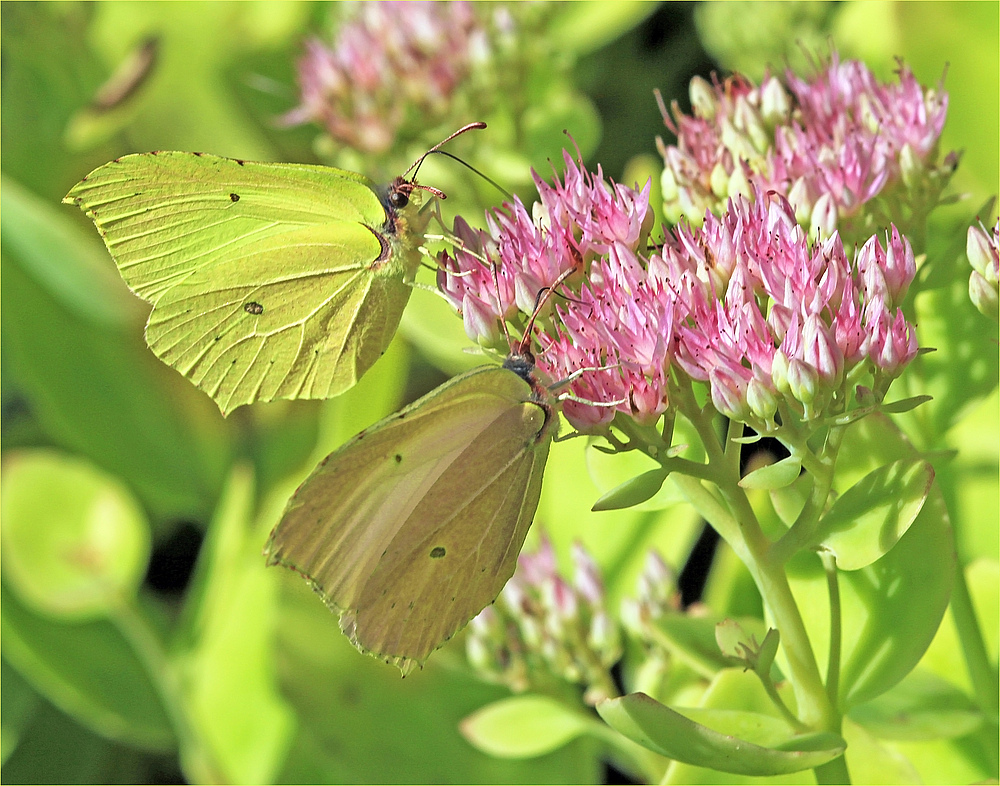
[414, 526]
[248, 261]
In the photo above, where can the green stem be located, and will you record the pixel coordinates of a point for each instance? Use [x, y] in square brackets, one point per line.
[196, 760]
[833, 772]
[984, 679]
[833, 661]
[803, 530]
[755, 550]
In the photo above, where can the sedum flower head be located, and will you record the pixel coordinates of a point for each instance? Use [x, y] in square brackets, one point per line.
[393, 65]
[543, 623]
[830, 144]
[746, 303]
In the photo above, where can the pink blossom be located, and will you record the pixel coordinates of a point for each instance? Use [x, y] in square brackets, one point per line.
[830, 143]
[745, 303]
[390, 61]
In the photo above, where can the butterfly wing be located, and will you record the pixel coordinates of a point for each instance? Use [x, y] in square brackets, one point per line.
[267, 280]
[414, 526]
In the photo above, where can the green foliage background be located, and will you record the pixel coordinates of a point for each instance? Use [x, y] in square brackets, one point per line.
[269, 688]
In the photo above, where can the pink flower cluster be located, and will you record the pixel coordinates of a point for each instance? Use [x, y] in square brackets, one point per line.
[744, 302]
[543, 620]
[762, 315]
[394, 63]
[829, 144]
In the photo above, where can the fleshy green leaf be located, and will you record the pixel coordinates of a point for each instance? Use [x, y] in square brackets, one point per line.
[774, 476]
[921, 707]
[891, 608]
[660, 729]
[693, 639]
[523, 727]
[906, 404]
[75, 542]
[632, 492]
[88, 670]
[869, 518]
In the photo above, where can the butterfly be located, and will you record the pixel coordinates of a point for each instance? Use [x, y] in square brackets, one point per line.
[267, 281]
[413, 526]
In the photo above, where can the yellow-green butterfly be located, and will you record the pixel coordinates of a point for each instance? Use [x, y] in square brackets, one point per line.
[267, 280]
[413, 527]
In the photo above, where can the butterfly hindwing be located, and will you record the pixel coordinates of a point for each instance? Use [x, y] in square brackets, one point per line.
[414, 526]
[267, 280]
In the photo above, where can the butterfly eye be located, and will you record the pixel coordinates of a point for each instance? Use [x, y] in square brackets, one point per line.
[398, 199]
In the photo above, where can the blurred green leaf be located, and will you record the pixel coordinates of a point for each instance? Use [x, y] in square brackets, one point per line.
[99, 391]
[48, 73]
[55, 749]
[921, 707]
[64, 258]
[869, 518]
[20, 704]
[584, 27]
[358, 722]
[671, 734]
[228, 667]
[523, 727]
[75, 543]
[88, 670]
[869, 760]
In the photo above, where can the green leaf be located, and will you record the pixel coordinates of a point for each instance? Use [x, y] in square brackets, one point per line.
[88, 670]
[611, 470]
[340, 696]
[75, 542]
[921, 707]
[891, 609]
[632, 492]
[774, 476]
[64, 259]
[232, 686]
[693, 640]
[660, 729]
[523, 727]
[585, 27]
[868, 519]
[789, 500]
[97, 390]
[906, 404]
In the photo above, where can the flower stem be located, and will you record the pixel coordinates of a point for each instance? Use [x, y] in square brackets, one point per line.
[196, 760]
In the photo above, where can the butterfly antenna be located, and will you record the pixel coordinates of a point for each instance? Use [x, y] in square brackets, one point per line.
[540, 300]
[415, 166]
[490, 180]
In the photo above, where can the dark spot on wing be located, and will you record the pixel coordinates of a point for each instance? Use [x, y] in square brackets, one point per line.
[235, 197]
[399, 458]
[437, 552]
[239, 161]
[253, 308]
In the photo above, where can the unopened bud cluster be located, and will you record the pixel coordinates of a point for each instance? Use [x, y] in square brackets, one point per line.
[831, 144]
[542, 624]
[398, 67]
